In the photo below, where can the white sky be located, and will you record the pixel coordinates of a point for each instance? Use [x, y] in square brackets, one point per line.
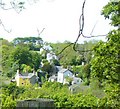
[60, 18]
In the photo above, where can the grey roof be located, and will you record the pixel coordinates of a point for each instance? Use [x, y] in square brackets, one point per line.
[63, 70]
[26, 75]
[59, 68]
[53, 77]
[76, 78]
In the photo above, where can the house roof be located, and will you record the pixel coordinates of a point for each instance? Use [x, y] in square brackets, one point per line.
[26, 75]
[76, 78]
[63, 70]
[59, 68]
[53, 77]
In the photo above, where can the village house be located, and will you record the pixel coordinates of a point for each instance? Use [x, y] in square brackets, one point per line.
[25, 79]
[53, 78]
[63, 75]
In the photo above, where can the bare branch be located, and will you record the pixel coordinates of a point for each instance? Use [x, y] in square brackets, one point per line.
[81, 24]
[65, 48]
[17, 6]
[1, 23]
[14, 4]
[40, 32]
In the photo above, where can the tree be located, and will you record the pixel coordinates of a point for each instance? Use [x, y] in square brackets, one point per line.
[36, 60]
[26, 68]
[69, 56]
[112, 12]
[106, 61]
[6, 62]
[47, 67]
[22, 55]
[34, 43]
[86, 73]
[55, 62]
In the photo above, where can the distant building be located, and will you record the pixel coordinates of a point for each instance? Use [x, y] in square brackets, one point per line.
[63, 74]
[51, 56]
[52, 78]
[25, 79]
[77, 80]
[45, 48]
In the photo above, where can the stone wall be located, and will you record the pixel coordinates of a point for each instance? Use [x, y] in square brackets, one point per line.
[35, 104]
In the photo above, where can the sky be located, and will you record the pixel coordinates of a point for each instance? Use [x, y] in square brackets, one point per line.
[60, 18]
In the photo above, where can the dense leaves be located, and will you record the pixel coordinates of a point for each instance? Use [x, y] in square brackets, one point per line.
[60, 93]
[70, 57]
[18, 57]
[34, 43]
[112, 12]
[106, 61]
[21, 55]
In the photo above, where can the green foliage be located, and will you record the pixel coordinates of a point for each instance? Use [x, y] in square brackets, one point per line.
[60, 94]
[106, 61]
[83, 72]
[77, 70]
[105, 64]
[14, 56]
[6, 60]
[9, 95]
[69, 56]
[47, 67]
[8, 103]
[21, 55]
[36, 60]
[84, 101]
[12, 90]
[112, 12]
[113, 95]
[105, 67]
[25, 68]
[43, 79]
[55, 62]
[34, 43]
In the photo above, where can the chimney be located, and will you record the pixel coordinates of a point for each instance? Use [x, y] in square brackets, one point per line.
[83, 63]
[34, 73]
[18, 71]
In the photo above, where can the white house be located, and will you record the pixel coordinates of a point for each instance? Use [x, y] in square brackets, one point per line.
[45, 48]
[51, 56]
[77, 80]
[63, 73]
